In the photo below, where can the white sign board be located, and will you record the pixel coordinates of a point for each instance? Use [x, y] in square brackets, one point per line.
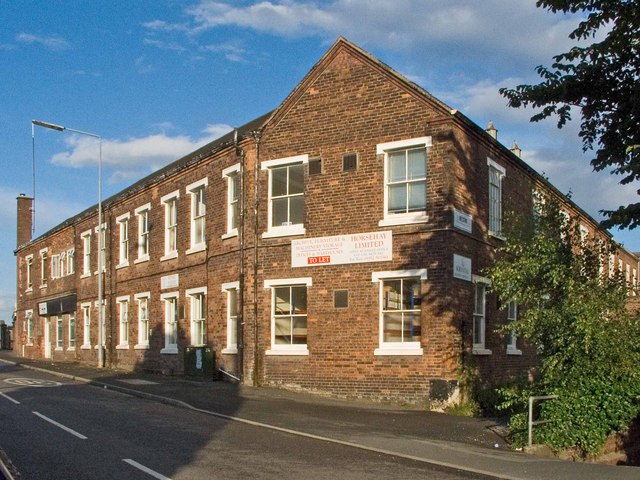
[342, 249]
[462, 220]
[42, 308]
[461, 267]
[169, 281]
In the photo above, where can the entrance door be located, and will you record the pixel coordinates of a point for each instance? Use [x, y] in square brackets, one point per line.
[47, 338]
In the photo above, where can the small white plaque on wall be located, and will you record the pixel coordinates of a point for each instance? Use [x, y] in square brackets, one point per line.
[169, 281]
[462, 220]
[461, 267]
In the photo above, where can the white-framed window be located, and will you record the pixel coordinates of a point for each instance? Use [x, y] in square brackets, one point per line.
[59, 333]
[231, 293]
[71, 262]
[30, 333]
[231, 175]
[288, 316]
[496, 174]
[55, 266]
[29, 272]
[512, 338]
[170, 302]
[142, 217]
[405, 180]
[86, 325]
[123, 240]
[197, 192]
[43, 267]
[286, 196]
[400, 325]
[63, 264]
[86, 253]
[198, 312]
[102, 244]
[123, 322]
[143, 320]
[634, 281]
[170, 204]
[481, 285]
[103, 323]
[72, 331]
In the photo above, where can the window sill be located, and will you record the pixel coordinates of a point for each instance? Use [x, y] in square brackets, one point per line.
[141, 260]
[97, 347]
[122, 265]
[144, 346]
[170, 350]
[71, 349]
[169, 256]
[394, 351]
[497, 235]
[481, 351]
[229, 351]
[43, 286]
[231, 234]
[303, 351]
[59, 349]
[285, 231]
[122, 347]
[85, 275]
[201, 247]
[403, 219]
[28, 290]
[29, 344]
[514, 351]
[85, 347]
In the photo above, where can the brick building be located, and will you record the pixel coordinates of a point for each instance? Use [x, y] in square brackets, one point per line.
[335, 245]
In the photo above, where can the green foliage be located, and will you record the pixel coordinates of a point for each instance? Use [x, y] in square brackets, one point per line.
[602, 80]
[575, 315]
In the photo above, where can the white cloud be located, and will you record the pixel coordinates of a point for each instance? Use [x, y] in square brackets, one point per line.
[171, 46]
[129, 158]
[52, 42]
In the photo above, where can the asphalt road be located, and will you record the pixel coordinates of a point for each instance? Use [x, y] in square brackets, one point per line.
[54, 429]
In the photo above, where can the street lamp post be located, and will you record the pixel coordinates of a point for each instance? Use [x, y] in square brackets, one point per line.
[60, 128]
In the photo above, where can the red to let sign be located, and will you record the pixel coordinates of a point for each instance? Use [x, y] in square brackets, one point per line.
[318, 260]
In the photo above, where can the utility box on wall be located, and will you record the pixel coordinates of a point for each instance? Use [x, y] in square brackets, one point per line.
[199, 362]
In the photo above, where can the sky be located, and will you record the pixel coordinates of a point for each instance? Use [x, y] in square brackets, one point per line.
[158, 79]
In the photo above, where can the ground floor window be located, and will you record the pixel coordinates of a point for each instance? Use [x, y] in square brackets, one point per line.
[288, 316]
[231, 292]
[72, 331]
[479, 316]
[512, 338]
[59, 332]
[198, 312]
[400, 324]
[170, 302]
[30, 335]
[123, 321]
[86, 325]
[143, 320]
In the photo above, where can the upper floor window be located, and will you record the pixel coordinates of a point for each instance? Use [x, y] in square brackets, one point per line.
[286, 196]
[288, 316]
[142, 214]
[43, 267]
[479, 316]
[400, 327]
[55, 266]
[198, 215]
[405, 180]
[86, 253]
[170, 203]
[232, 177]
[496, 174]
[29, 271]
[198, 310]
[71, 266]
[123, 239]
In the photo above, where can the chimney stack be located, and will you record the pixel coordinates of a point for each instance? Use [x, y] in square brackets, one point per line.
[516, 150]
[25, 219]
[491, 130]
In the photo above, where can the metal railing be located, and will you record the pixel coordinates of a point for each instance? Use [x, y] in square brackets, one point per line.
[531, 422]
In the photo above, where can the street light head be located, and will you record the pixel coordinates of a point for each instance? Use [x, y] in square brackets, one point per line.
[51, 126]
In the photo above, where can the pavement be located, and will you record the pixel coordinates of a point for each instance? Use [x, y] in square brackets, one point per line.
[469, 444]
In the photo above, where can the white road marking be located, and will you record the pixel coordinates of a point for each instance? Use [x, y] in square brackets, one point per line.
[139, 466]
[32, 382]
[9, 398]
[59, 425]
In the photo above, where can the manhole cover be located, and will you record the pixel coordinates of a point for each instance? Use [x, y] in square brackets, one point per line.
[32, 382]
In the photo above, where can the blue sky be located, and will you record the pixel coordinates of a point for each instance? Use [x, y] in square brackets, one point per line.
[157, 79]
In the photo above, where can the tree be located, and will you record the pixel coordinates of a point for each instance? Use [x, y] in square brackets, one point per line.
[603, 81]
[572, 309]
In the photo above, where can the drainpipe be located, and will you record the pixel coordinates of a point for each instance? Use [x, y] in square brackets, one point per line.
[256, 202]
[240, 300]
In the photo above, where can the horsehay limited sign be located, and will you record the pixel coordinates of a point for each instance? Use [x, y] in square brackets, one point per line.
[342, 249]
